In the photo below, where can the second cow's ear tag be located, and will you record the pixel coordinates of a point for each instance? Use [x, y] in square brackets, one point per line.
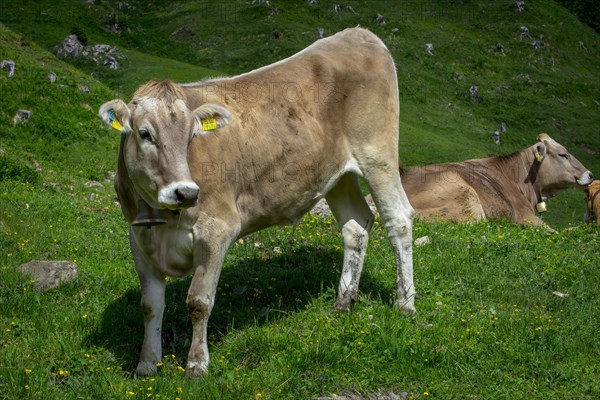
[114, 122]
[209, 124]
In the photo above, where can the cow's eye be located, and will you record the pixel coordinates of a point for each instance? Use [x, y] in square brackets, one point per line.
[145, 135]
[564, 155]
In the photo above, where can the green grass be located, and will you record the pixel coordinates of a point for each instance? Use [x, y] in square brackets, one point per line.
[489, 325]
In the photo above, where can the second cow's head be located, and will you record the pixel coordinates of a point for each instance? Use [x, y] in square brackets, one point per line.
[558, 169]
[158, 129]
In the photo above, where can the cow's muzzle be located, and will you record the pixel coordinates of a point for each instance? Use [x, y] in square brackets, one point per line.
[586, 178]
[178, 195]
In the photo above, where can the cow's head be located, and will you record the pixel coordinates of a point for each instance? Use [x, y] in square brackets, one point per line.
[557, 168]
[158, 128]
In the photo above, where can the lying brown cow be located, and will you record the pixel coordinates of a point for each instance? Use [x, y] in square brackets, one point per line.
[216, 160]
[592, 194]
[507, 187]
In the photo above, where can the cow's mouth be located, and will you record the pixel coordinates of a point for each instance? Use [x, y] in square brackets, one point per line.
[178, 195]
[585, 179]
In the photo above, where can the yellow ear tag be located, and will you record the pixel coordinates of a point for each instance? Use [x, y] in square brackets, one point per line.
[538, 157]
[114, 122]
[209, 124]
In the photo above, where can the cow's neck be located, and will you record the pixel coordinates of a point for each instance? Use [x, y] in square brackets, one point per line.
[532, 182]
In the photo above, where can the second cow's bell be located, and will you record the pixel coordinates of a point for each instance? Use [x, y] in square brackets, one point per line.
[147, 215]
[541, 207]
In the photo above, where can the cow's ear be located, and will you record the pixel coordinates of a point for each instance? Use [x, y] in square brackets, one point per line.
[210, 117]
[539, 151]
[117, 115]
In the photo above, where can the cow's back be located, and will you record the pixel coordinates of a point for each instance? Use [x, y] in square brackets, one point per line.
[297, 126]
[436, 192]
[475, 189]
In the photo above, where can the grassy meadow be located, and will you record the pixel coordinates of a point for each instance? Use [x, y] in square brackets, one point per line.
[505, 312]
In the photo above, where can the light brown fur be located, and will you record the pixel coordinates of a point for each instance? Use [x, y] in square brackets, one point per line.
[592, 193]
[226, 157]
[506, 187]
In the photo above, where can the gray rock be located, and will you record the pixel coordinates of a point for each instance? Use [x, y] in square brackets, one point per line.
[321, 208]
[49, 274]
[21, 116]
[184, 33]
[70, 47]
[520, 6]
[99, 53]
[8, 65]
[422, 241]
[496, 137]
[103, 54]
[91, 184]
[111, 62]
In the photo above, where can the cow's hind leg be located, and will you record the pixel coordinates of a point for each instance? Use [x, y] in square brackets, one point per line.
[355, 219]
[397, 214]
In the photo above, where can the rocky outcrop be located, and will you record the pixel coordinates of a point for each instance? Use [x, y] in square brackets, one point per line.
[101, 54]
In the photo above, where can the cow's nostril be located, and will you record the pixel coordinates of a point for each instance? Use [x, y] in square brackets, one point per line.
[186, 195]
[179, 196]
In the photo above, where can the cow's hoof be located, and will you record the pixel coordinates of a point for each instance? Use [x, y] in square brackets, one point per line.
[194, 369]
[342, 306]
[145, 368]
[406, 306]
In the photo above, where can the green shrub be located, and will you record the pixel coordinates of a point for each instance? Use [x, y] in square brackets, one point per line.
[16, 170]
[77, 31]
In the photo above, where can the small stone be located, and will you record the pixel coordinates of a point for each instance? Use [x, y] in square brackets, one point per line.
[422, 241]
[8, 65]
[50, 274]
[21, 116]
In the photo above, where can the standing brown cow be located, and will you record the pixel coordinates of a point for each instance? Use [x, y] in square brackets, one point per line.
[220, 159]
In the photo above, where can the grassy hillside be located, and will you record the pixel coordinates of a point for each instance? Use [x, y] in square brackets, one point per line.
[553, 88]
[489, 325]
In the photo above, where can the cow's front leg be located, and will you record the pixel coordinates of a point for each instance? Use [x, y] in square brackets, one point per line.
[152, 284]
[200, 301]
